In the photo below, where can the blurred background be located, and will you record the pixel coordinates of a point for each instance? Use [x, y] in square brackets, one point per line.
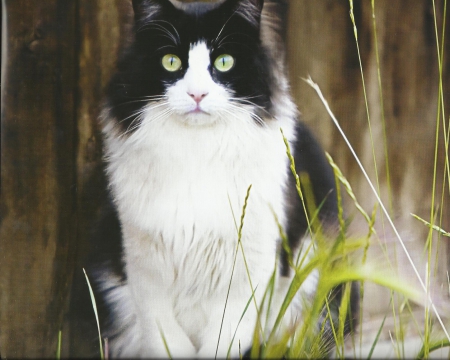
[57, 56]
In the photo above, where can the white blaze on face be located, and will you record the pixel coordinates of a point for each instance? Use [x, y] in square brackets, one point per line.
[196, 96]
[198, 78]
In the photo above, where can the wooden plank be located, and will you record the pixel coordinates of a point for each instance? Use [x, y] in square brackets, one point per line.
[322, 44]
[103, 29]
[38, 180]
[59, 56]
[103, 26]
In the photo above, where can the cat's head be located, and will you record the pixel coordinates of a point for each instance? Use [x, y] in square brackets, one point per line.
[199, 62]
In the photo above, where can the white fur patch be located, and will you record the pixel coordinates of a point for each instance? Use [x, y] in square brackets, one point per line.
[179, 182]
[198, 82]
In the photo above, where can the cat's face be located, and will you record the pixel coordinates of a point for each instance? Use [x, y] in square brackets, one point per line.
[199, 63]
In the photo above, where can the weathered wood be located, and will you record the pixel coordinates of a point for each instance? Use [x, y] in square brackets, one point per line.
[59, 56]
[103, 26]
[322, 44]
[103, 29]
[38, 175]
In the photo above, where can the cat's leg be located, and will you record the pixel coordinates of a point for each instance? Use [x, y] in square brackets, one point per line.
[231, 326]
[299, 303]
[150, 278]
[160, 332]
[244, 332]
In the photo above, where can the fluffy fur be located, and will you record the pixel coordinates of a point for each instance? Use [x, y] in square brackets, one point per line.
[181, 150]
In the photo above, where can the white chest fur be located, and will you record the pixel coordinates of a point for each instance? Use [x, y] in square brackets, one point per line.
[180, 192]
[179, 182]
[186, 184]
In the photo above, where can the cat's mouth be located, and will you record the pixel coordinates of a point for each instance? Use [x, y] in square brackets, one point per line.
[198, 110]
[198, 117]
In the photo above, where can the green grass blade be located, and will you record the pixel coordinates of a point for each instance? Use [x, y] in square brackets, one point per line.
[94, 305]
[242, 316]
[58, 349]
[348, 188]
[375, 342]
[239, 246]
[383, 208]
[366, 102]
[163, 337]
[434, 227]
[297, 281]
[297, 178]
[383, 116]
[343, 311]
[432, 346]
[252, 288]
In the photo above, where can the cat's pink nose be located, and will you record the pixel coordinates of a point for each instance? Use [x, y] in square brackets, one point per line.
[197, 96]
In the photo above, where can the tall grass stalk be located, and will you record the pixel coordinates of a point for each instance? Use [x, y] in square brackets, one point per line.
[441, 109]
[241, 226]
[428, 346]
[394, 228]
[163, 337]
[376, 339]
[383, 117]
[239, 233]
[94, 305]
[58, 348]
[297, 180]
[355, 32]
[334, 268]
[433, 215]
[398, 330]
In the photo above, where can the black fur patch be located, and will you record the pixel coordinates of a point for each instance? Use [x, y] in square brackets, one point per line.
[161, 28]
[310, 159]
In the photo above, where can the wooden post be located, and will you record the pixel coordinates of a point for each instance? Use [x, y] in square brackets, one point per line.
[103, 29]
[38, 228]
[57, 56]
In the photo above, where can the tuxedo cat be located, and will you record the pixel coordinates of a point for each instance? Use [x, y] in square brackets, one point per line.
[191, 126]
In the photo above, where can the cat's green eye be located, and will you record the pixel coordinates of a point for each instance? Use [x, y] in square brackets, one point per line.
[224, 63]
[171, 62]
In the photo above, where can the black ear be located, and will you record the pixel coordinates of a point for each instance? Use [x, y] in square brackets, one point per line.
[250, 10]
[258, 3]
[138, 6]
[146, 9]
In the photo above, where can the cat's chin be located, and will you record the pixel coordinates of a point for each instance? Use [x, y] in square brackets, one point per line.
[197, 118]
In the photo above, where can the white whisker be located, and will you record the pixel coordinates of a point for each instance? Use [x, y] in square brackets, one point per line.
[163, 115]
[146, 99]
[162, 47]
[223, 27]
[233, 110]
[248, 102]
[147, 107]
[175, 38]
[221, 43]
[136, 122]
[244, 110]
[173, 27]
